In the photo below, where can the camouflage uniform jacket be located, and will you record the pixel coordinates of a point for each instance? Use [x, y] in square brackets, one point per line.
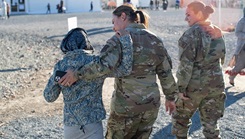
[83, 100]
[110, 58]
[139, 92]
[200, 57]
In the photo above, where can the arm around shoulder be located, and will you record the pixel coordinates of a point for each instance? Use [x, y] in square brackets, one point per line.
[116, 51]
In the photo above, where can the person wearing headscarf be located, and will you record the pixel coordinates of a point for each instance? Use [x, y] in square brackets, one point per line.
[83, 107]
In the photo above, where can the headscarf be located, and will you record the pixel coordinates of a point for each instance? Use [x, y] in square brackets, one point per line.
[75, 39]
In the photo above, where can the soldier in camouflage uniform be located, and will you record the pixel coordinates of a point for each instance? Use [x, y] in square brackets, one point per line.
[136, 99]
[83, 106]
[200, 78]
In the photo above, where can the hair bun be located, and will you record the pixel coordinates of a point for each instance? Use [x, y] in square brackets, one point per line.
[209, 9]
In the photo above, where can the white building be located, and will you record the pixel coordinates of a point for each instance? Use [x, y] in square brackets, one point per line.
[171, 3]
[40, 6]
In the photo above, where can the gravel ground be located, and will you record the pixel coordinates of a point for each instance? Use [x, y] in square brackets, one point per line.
[30, 47]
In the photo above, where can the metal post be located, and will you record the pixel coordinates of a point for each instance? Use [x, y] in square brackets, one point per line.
[220, 13]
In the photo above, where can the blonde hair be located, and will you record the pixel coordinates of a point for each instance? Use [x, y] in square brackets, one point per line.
[198, 6]
[132, 14]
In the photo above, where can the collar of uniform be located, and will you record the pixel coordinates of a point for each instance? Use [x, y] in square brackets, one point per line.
[136, 25]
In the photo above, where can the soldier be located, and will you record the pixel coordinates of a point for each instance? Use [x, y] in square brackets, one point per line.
[83, 109]
[200, 78]
[136, 100]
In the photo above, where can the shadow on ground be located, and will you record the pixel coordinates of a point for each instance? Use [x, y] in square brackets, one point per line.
[13, 70]
[90, 32]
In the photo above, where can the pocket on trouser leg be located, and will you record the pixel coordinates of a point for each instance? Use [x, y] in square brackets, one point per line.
[114, 133]
[180, 127]
[217, 108]
[145, 123]
[211, 111]
[115, 127]
[180, 120]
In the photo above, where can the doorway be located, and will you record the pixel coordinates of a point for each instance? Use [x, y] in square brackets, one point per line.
[18, 6]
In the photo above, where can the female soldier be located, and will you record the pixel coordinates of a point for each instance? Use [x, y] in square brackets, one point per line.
[200, 78]
[136, 99]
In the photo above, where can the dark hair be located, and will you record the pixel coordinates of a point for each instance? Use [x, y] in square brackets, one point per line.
[76, 38]
[132, 14]
[197, 6]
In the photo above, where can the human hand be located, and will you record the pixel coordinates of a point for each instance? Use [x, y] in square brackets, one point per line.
[170, 106]
[183, 96]
[68, 79]
[121, 33]
[213, 31]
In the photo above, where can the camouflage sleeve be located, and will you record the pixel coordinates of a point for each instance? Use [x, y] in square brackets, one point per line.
[167, 81]
[220, 41]
[126, 63]
[52, 89]
[109, 60]
[187, 54]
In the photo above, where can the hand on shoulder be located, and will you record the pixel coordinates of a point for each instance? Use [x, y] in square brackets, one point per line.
[214, 31]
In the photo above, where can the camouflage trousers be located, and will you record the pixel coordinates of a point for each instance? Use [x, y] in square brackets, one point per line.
[211, 108]
[136, 127]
